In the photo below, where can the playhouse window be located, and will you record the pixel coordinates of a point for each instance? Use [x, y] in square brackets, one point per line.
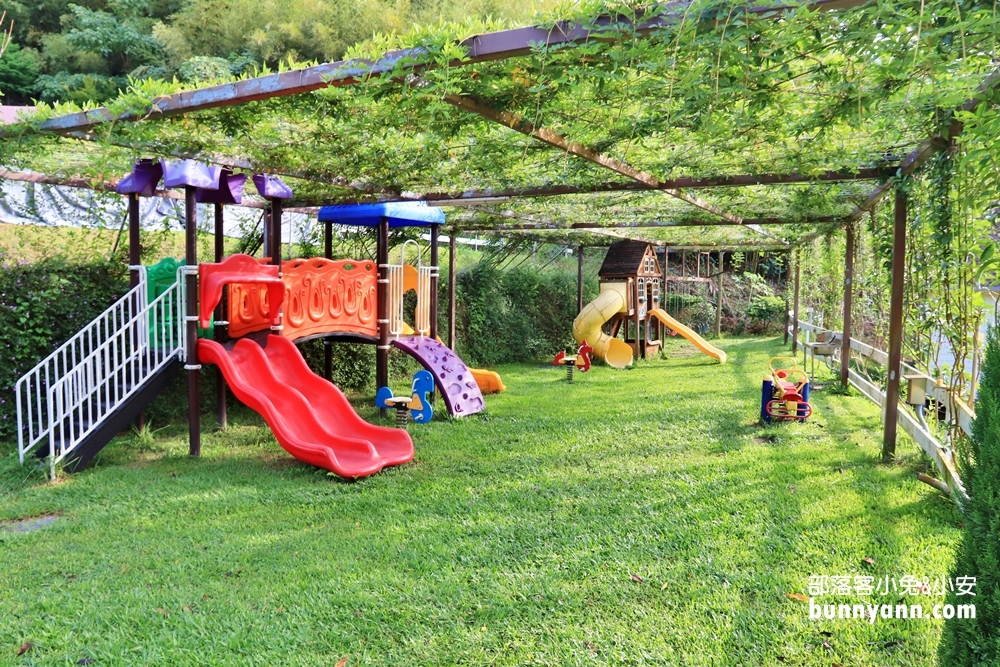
[642, 289]
[656, 289]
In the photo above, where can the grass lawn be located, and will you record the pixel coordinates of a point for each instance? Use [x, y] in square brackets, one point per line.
[636, 517]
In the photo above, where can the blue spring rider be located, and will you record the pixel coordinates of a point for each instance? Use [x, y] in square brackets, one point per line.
[417, 405]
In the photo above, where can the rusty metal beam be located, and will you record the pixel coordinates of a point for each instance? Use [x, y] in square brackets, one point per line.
[486, 47]
[486, 195]
[520, 124]
[548, 226]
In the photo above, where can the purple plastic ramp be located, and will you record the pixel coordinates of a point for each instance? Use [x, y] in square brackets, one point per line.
[458, 388]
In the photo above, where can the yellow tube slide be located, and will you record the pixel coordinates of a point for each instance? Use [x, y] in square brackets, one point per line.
[587, 326]
[695, 339]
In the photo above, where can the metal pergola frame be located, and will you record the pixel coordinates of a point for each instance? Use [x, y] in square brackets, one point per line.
[521, 41]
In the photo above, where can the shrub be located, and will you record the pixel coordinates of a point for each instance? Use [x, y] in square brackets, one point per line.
[766, 309]
[977, 641]
[41, 306]
[518, 315]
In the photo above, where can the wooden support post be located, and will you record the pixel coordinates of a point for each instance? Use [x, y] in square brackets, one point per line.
[787, 321]
[265, 243]
[895, 326]
[134, 259]
[579, 278]
[382, 353]
[134, 243]
[845, 344]
[275, 251]
[451, 290]
[635, 319]
[718, 299]
[327, 349]
[191, 311]
[795, 305]
[435, 239]
[221, 330]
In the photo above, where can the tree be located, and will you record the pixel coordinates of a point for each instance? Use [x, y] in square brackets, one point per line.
[977, 641]
[124, 39]
[18, 70]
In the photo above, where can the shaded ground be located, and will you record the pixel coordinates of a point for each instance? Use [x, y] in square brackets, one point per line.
[637, 517]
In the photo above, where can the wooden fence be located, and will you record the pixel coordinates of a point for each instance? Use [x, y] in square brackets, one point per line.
[957, 411]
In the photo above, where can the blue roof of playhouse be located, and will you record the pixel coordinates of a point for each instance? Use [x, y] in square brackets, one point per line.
[400, 214]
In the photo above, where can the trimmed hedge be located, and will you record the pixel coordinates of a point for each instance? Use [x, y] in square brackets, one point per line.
[41, 306]
[977, 641]
[517, 315]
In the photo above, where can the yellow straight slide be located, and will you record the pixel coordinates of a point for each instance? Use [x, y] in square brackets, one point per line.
[695, 339]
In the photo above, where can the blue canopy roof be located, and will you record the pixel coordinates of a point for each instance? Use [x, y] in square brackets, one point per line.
[400, 214]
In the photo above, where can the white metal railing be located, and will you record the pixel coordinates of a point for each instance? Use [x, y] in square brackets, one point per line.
[396, 275]
[422, 316]
[69, 393]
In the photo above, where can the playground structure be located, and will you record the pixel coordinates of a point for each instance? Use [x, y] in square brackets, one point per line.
[244, 315]
[784, 391]
[629, 303]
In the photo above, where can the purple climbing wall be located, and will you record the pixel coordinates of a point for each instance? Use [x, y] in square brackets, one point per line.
[457, 386]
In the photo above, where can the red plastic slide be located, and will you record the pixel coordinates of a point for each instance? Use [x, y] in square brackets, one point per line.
[309, 416]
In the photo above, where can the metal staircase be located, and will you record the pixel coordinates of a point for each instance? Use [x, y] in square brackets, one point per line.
[92, 386]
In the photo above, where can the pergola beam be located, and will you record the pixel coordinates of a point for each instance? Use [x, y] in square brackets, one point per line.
[490, 195]
[546, 135]
[109, 186]
[929, 147]
[646, 224]
[486, 47]
[919, 156]
[726, 246]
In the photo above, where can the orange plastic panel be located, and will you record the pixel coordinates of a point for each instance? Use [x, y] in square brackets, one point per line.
[326, 296]
[248, 309]
[322, 296]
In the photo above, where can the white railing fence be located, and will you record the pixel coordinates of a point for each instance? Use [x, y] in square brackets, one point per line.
[911, 423]
[69, 393]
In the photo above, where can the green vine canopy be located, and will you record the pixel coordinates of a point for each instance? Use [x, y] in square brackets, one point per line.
[638, 93]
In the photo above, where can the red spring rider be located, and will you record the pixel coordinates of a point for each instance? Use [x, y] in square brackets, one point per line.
[581, 360]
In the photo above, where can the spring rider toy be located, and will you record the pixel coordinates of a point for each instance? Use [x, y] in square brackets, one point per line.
[417, 405]
[581, 360]
[784, 392]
